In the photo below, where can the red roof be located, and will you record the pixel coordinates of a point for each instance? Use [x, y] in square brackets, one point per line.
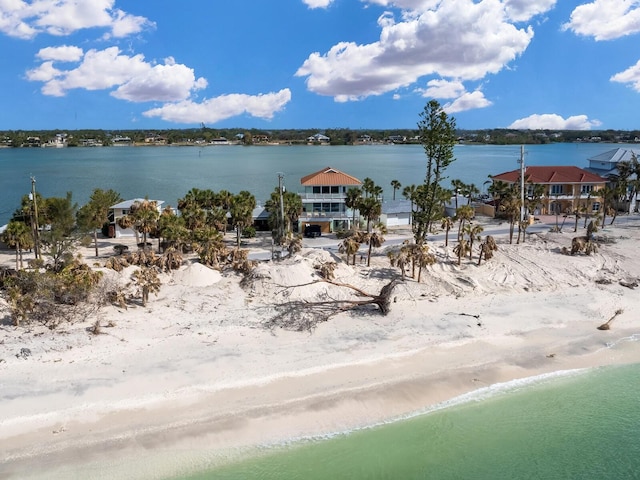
[329, 176]
[542, 175]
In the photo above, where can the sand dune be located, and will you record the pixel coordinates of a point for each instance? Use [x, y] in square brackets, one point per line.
[195, 376]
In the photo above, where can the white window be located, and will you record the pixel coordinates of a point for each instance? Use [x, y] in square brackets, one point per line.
[556, 189]
[586, 189]
[595, 207]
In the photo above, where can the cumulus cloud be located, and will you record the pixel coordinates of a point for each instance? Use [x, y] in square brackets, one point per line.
[134, 79]
[467, 101]
[630, 76]
[524, 10]
[64, 53]
[605, 19]
[26, 19]
[317, 3]
[459, 39]
[222, 107]
[552, 121]
[516, 10]
[443, 89]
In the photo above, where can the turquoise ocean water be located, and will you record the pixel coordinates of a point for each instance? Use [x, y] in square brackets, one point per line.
[572, 425]
[168, 173]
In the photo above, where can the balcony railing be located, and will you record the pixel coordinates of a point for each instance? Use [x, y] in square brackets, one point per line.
[306, 216]
[322, 196]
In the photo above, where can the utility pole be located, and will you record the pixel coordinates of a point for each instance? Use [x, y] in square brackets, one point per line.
[522, 170]
[36, 228]
[280, 191]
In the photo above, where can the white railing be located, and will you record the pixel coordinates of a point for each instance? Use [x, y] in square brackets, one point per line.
[322, 196]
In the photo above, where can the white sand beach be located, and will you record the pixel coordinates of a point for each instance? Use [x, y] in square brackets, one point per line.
[195, 377]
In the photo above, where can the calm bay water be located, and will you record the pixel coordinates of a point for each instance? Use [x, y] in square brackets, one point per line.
[168, 173]
[575, 425]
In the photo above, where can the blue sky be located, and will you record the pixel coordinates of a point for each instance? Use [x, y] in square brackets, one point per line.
[360, 64]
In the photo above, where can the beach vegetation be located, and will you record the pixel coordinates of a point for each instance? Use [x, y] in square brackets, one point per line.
[395, 185]
[95, 213]
[51, 297]
[18, 236]
[291, 208]
[438, 138]
[487, 248]
[241, 212]
[147, 281]
[352, 200]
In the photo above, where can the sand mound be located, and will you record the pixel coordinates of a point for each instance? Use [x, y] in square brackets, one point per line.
[196, 275]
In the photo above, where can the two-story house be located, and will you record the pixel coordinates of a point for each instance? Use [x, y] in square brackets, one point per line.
[566, 188]
[323, 200]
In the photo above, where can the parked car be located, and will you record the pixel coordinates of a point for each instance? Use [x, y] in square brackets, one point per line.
[312, 231]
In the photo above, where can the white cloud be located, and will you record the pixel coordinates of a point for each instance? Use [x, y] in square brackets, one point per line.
[467, 101]
[443, 89]
[136, 80]
[226, 106]
[605, 19]
[26, 19]
[64, 53]
[524, 10]
[460, 39]
[552, 121]
[317, 3]
[631, 76]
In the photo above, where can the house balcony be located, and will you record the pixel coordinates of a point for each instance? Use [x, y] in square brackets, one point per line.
[322, 216]
[322, 196]
[570, 196]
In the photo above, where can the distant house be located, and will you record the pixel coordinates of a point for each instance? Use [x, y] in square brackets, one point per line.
[396, 213]
[566, 188]
[323, 200]
[120, 210]
[606, 163]
[318, 138]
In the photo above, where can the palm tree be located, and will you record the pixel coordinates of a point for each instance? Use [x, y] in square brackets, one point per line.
[371, 208]
[395, 184]
[461, 249]
[18, 235]
[241, 212]
[145, 217]
[463, 214]
[457, 186]
[447, 224]
[352, 200]
[375, 240]
[349, 247]
[424, 258]
[473, 231]
[469, 190]
[409, 193]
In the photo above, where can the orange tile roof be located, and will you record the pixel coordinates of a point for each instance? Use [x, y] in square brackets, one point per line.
[329, 176]
[541, 175]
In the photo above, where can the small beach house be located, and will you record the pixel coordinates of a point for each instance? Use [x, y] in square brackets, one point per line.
[120, 210]
[323, 200]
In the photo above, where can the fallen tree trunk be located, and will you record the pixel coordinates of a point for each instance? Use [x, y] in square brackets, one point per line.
[302, 315]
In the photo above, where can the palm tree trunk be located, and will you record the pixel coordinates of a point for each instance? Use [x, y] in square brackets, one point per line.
[95, 241]
[17, 265]
[369, 255]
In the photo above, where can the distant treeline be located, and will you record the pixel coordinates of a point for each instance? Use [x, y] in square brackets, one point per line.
[336, 136]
